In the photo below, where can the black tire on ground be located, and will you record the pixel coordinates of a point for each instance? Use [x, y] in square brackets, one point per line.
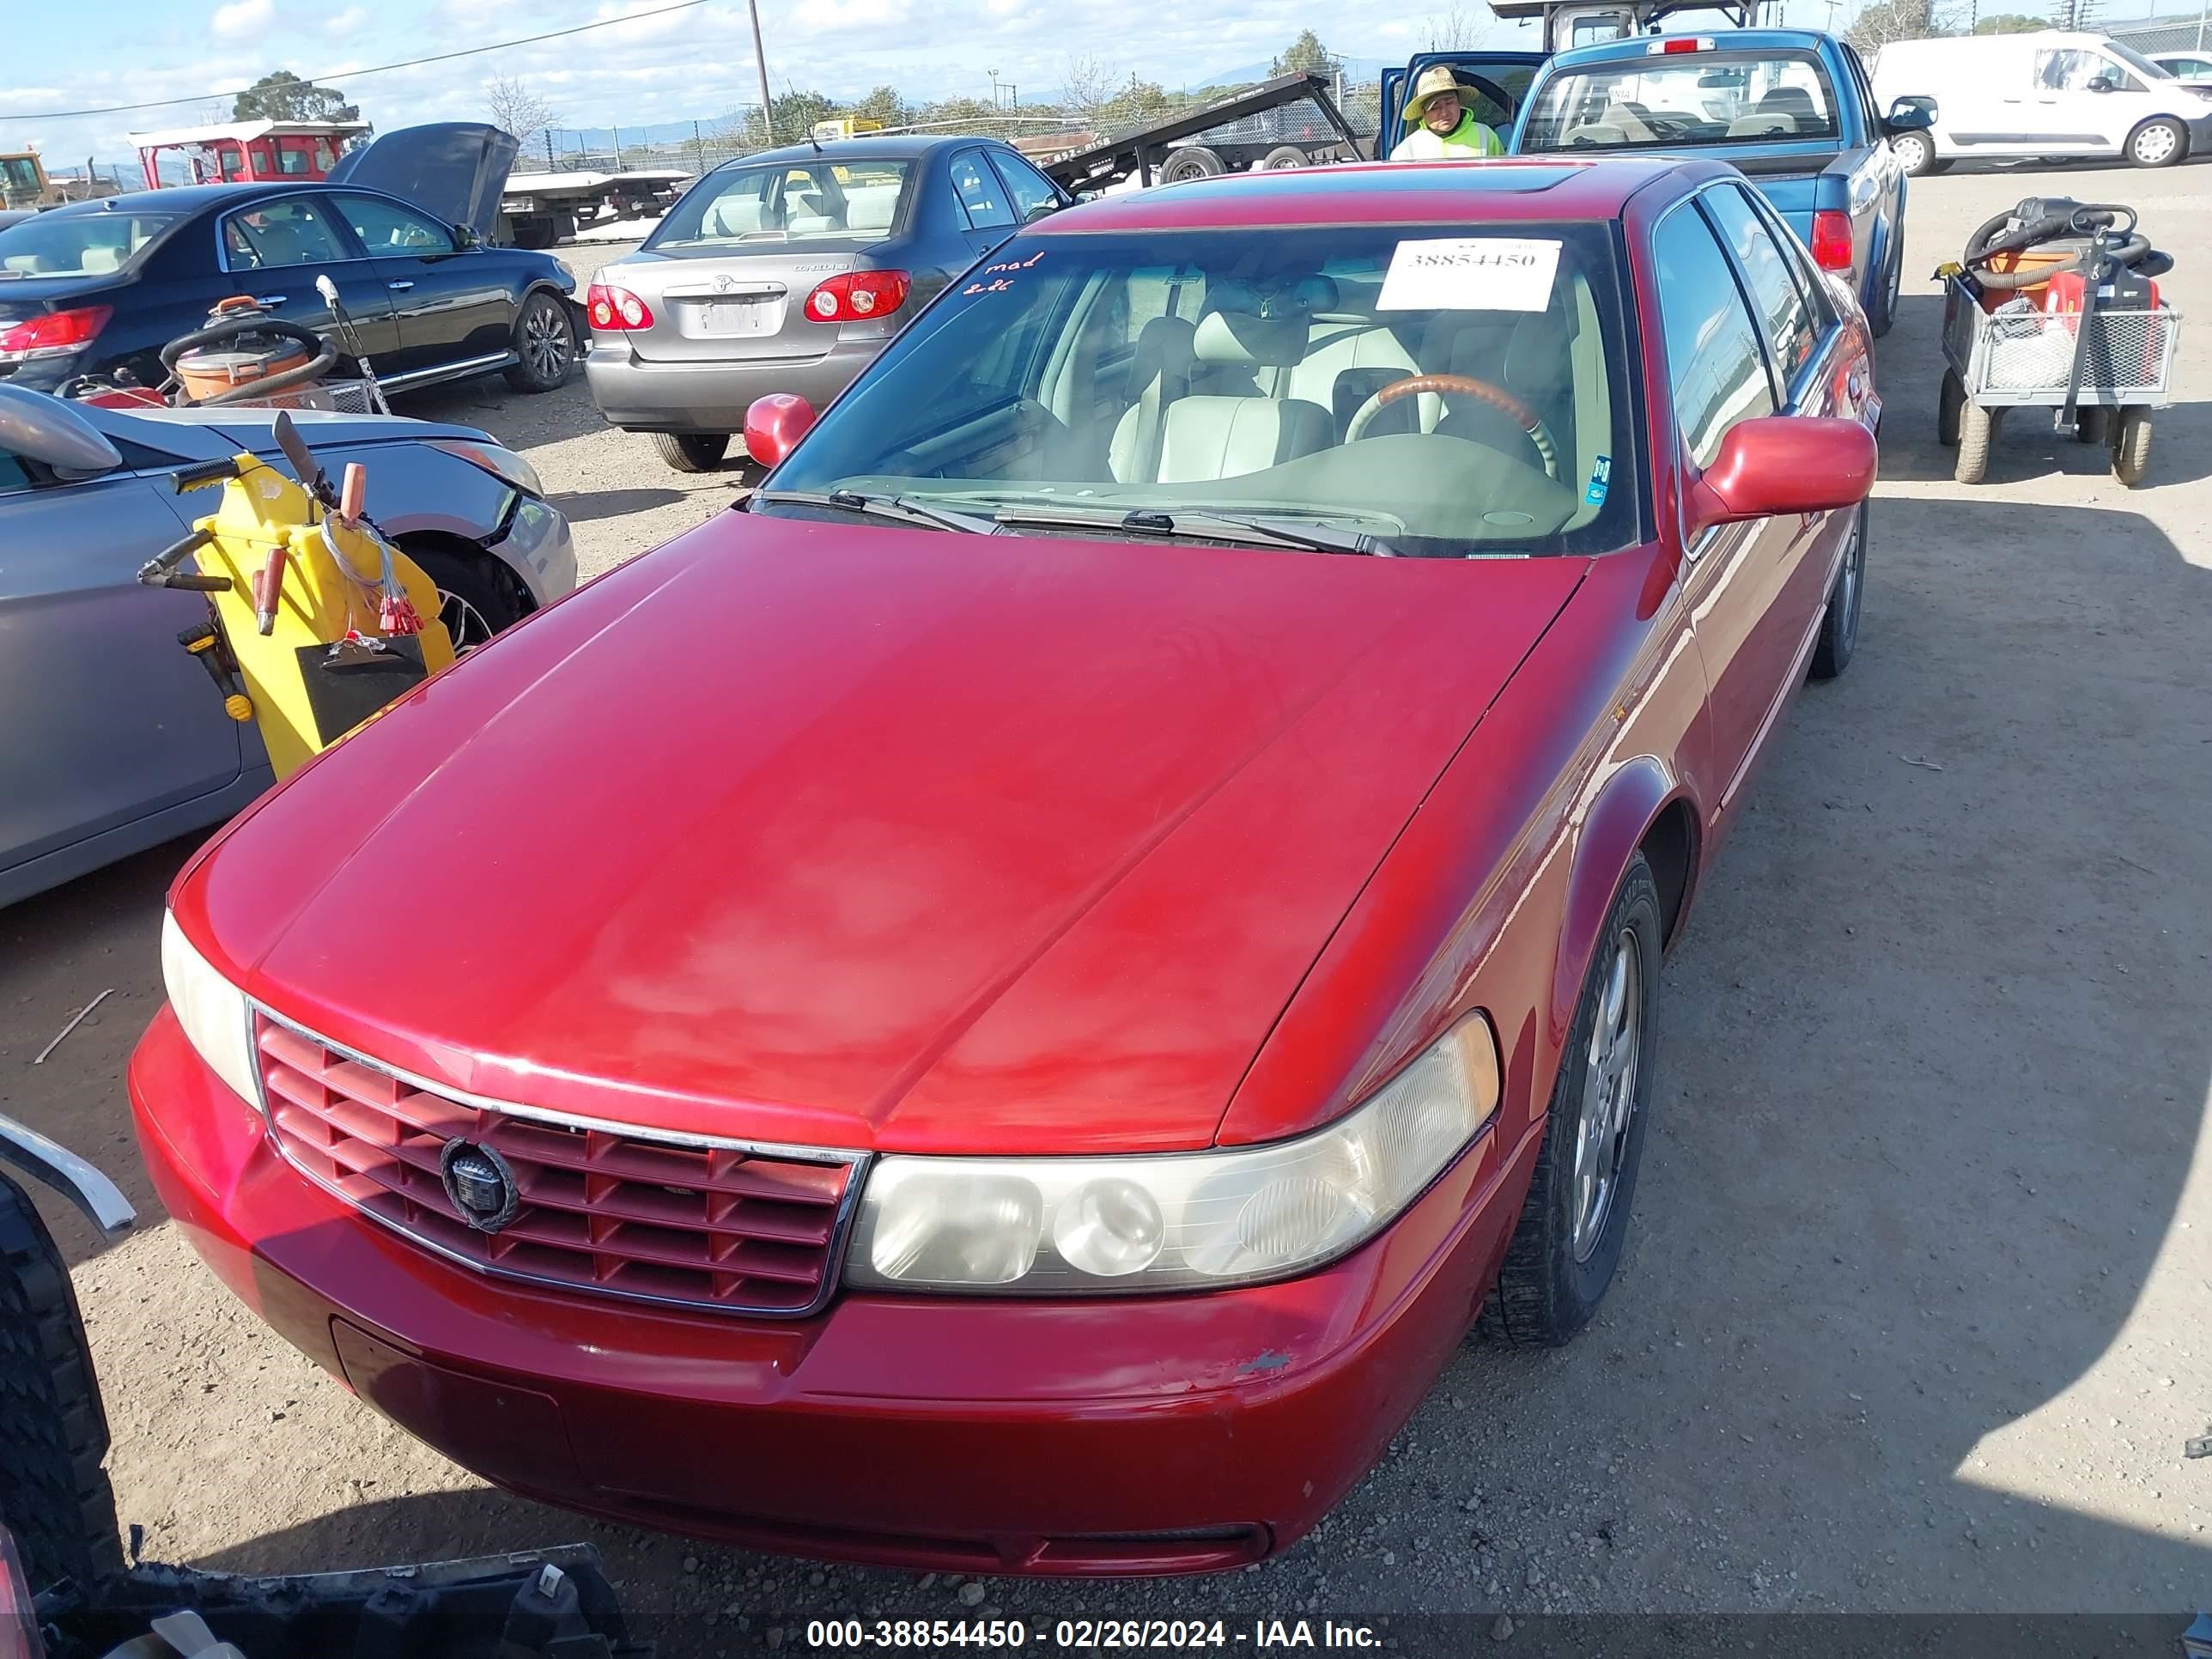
[1191, 162]
[692, 452]
[1282, 156]
[1950, 402]
[2093, 425]
[2132, 446]
[1978, 430]
[1942, 164]
[54, 1495]
[2158, 143]
[475, 601]
[544, 340]
[1885, 312]
[1915, 153]
[537, 232]
[1547, 1290]
[1839, 623]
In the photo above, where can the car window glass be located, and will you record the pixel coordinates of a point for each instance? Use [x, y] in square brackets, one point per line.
[1811, 285]
[2102, 68]
[1028, 189]
[14, 475]
[1712, 349]
[1679, 99]
[290, 231]
[768, 203]
[981, 194]
[386, 228]
[1512, 81]
[1788, 323]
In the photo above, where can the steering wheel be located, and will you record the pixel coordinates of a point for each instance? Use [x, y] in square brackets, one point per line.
[1496, 396]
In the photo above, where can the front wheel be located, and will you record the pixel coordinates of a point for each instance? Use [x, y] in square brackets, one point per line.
[544, 343]
[1839, 622]
[2157, 144]
[2132, 446]
[1575, 1221]
[1978, 430]
[472, 603]
[1915, 152]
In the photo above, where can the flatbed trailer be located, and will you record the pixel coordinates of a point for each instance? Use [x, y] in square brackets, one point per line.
[1230, 134]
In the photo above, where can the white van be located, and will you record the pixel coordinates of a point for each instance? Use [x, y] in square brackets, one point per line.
[2049, 94]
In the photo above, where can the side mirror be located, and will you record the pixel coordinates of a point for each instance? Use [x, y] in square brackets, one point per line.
[44, 428]
[464, 237]
[2104, 84]
[1778, 464]
[1041, 210]
[774, 424]
[1909, 115]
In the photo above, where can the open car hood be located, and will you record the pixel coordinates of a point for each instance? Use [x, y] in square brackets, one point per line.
[453, 170]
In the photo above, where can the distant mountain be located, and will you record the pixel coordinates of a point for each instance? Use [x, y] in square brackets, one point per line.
[1357, 70]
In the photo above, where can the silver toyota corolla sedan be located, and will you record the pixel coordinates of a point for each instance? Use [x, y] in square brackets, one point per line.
[115, 740]
[787, 271]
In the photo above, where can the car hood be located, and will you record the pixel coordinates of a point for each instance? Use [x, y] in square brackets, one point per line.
[453, 170]
[835, 834]
[255, 428]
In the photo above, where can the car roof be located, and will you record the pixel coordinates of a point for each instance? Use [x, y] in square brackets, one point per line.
[191, 199]
[1551, 190]
[1723, 39]
[891, 146]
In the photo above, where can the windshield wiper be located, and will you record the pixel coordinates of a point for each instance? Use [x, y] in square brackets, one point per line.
[904, 508]
[1207, 525]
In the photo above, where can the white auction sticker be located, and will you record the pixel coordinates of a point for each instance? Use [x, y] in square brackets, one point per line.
[1470, 273]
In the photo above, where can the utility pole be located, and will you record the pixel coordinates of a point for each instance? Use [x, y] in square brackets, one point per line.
[760, 60]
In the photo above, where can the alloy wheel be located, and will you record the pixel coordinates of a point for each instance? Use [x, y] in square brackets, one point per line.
[466, 625]
[545, 343]
[1610, 1075]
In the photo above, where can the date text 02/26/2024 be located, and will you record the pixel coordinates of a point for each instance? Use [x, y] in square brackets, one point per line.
[1087, 1635]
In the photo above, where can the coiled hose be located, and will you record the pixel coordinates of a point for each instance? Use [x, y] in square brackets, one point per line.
[2035, 221]
[255, 322]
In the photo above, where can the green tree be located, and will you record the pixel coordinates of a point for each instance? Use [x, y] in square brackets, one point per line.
[1305, 55]
[1889, 19]
[1132, 104]
[884, 105]
[958, 112]
[2010, 23]
[793, 115]
[284, 96]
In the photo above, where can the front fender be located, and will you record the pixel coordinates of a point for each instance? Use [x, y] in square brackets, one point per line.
[1628, 804]
[73, 1178]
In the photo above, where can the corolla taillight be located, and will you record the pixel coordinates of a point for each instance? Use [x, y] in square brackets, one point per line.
[857, 296]
[616, 308]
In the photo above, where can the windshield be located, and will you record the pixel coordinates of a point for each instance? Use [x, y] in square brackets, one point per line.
[1449, 390]
[1682, 97]
[786, 202]
[19, 172]
[79, 244]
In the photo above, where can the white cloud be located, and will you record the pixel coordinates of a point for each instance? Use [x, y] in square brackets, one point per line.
[349, 21]
[244, 17]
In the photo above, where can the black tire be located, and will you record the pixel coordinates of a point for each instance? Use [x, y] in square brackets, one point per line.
[1950, 404]
[2093, 425]
[1547, 1289]
[1942, 164]
[1978, 430]
[544, 340]
[1283, 156]
[1191, 162]
[692, 452]
[2158, 143]
[536, 232]
[1839, 622]
[476, 602]
[1915, 153]
[2132, 446]
[54, 1495]
[1885, 313]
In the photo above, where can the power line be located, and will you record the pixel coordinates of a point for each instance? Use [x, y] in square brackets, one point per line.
[356, 74]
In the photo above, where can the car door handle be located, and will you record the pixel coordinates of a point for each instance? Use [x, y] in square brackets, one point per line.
[399, 288]
[271, 299]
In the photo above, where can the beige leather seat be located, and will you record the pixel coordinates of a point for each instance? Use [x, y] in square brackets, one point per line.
[1206, 436]
[1159, 372]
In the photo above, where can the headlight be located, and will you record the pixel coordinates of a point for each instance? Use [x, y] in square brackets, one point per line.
[502, 464]
[1051, 1226]
[211, 1010]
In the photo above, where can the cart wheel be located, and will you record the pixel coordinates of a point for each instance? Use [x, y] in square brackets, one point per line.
[2131, 447]
[1978, 429]
[1948, 403]
[2094, 427]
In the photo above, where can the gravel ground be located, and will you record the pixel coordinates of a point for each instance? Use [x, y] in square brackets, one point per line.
[1914, 1317]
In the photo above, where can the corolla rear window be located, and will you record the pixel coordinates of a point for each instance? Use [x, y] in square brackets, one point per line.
[79, 244]
[1450, 391]
[803, 201]
[1679, 98]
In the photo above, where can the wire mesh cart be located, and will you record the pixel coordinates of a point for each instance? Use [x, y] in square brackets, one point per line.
[2016, 359]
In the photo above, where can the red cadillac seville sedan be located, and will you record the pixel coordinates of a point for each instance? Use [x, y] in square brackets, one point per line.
[1070, 947]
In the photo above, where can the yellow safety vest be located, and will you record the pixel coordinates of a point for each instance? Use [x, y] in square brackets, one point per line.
[1468, 141]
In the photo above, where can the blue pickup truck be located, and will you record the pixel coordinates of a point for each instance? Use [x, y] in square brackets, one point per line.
[1793, 108]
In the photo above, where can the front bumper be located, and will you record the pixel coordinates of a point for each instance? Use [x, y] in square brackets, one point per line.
[538, 547]
[1134, 1436]
[2200, 134]
[712, 395]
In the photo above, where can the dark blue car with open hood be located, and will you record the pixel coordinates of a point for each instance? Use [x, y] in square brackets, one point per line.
[401, 227]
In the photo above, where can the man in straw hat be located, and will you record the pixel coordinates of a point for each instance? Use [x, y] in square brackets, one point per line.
[1442, 130]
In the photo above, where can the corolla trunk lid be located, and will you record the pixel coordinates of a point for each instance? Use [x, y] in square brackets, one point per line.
[733, 304]
[834, 835]
[453, 170]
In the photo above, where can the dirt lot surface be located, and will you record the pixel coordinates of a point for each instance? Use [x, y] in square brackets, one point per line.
[1916, 1313]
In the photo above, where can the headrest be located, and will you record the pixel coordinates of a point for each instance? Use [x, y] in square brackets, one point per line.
[1538, 353]
[1164, 346]
[1229, 336]
[1789, 100]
